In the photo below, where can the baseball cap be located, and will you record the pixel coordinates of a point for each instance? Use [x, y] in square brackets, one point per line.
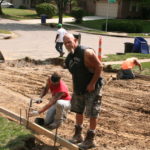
[59, 25]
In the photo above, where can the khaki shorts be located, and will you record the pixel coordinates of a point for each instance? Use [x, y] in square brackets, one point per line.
[88, 103]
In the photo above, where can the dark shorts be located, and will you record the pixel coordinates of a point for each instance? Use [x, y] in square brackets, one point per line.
[88, 103]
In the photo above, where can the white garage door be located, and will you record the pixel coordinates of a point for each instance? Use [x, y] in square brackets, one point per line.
[102, 7]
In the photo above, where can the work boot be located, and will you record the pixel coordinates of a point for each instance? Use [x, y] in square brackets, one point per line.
[39, 121]
[77, 137]
[89, 141]
[119, 74]
[55, 124]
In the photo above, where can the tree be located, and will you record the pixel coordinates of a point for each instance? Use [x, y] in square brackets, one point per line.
[1, 12]
[61, 5]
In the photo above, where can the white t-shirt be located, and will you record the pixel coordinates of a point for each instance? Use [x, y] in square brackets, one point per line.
[61, 32]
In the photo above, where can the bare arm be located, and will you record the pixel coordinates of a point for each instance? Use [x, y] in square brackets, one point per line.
[94, 65]
[138, 64]
[45, 90]
[52, 102]
[56, 37]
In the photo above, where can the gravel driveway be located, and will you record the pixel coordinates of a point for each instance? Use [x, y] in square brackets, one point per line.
[37, 41]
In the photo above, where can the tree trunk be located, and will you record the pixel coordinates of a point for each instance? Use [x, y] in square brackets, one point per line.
[1, 12]
[60, 11]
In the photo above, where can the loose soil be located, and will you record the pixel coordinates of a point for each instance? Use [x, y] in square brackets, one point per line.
[124, 122]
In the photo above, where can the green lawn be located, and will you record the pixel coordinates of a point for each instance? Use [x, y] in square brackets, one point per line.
[5, 32]
[113, 57]
[97, 24]
[12, 135]
[18, 14]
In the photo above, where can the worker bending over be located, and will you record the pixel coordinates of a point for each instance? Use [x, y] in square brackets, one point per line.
[59, 104]
[126, 68]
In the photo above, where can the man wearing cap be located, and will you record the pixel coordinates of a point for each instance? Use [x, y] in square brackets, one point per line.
[59, 104]
[59, 39]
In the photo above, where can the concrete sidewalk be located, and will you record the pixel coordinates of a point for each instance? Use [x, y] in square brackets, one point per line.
[55, 20]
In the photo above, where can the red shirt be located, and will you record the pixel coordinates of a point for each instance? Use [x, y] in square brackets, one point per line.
[60, 87]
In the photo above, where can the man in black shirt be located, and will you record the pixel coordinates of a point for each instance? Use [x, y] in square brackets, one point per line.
[86, 70]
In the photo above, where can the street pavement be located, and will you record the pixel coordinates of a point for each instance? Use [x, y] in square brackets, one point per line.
[37, 41]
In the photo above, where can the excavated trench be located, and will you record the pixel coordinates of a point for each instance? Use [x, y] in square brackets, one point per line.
[124, 121]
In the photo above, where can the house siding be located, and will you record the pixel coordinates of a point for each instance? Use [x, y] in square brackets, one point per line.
[129, 8]
[88, 5]
[104, 9]
[125, 9]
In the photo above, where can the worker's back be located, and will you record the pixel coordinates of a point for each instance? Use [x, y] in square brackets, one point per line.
[128, 63]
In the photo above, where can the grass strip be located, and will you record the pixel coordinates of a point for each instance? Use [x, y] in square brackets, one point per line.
[12, 135]
[5, 32]
[113, 57]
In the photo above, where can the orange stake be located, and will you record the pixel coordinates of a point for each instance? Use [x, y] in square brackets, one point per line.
[100, 49]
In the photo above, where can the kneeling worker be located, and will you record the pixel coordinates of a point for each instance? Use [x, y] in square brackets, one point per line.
[126, 68]
[59, 104]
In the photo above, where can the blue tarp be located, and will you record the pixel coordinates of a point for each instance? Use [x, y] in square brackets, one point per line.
[140, 46]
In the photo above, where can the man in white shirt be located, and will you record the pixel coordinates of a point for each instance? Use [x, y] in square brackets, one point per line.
[59, 39]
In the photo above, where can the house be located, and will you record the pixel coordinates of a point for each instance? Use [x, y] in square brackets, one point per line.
[118, 9]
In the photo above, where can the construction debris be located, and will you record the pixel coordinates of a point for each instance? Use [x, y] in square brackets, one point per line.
[108, 68]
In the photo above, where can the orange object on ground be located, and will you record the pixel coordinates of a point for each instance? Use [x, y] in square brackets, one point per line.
[100, 49]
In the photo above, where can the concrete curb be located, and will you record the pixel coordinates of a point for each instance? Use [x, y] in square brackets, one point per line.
[8, 36]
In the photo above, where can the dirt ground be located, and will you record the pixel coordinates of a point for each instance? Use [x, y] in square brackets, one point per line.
[124, 122]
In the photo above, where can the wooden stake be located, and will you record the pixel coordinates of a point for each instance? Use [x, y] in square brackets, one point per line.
[55, 140]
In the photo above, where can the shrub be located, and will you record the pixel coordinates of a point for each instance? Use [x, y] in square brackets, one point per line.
[22, 7]
[45, 8]
[78, 14]
[145, 13]
[129, 27]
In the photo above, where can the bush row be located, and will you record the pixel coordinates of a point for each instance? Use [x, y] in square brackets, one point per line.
[123, 27]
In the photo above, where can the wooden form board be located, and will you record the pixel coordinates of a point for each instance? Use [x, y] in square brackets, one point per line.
[40, 130]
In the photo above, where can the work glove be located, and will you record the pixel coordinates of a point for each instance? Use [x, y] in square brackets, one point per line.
[33, 113]
[38, 101]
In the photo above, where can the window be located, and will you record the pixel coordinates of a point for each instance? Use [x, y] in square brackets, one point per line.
[134, 6]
